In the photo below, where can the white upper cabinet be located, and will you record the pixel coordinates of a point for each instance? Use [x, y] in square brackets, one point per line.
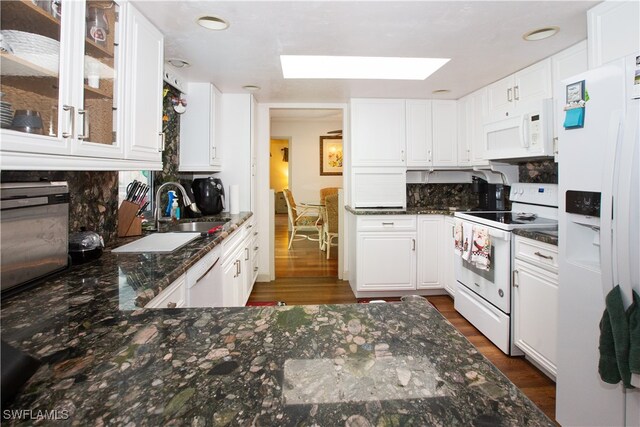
[145, 139]
[419, 133]
[613, 31]
[477, 114]
[445, 133]
[74, 85]
[465, 116]
[199, 129]
[378, 132]
[530, 84]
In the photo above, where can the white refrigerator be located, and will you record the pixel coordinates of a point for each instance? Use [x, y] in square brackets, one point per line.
[598, 164]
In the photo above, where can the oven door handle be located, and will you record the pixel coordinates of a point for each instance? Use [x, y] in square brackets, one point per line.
[494, 233]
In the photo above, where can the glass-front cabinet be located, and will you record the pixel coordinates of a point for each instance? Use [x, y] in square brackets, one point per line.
[60, 63]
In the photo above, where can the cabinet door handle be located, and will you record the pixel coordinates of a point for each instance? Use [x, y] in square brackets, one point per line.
[255, 248]
[171, 305]
[71, 124]
[543, 255]
[208, 270]
[516, 93]
[246, 254]
[453, 231]
[555, 145]
[387, 223]
[213, 152]
[509, 97]
[429, 156]
[402, 155]
[255, 233]
[255, 268]
[238, 267]
[515, 275]
[413, 244]
[85, 124]
[163, 139]
[249, 226]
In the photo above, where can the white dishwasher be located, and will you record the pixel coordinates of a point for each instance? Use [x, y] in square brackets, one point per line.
[204, 282]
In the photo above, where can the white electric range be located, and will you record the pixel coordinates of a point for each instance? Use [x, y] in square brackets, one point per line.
[483, 297]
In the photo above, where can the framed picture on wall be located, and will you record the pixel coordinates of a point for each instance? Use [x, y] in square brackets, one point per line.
[331, 155]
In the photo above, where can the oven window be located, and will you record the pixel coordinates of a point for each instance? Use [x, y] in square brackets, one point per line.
[485, 274]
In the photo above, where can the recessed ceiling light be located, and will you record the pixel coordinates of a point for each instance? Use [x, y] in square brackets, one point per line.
[178, 63]
[251, 88]
[540, 34]
[213, 23]
[440, 91]
[358, 67]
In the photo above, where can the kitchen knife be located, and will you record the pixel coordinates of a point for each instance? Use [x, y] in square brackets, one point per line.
[145, 190]
[137, 195]
[131, 190]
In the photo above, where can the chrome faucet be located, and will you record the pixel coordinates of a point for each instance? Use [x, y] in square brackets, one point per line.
[157, 216]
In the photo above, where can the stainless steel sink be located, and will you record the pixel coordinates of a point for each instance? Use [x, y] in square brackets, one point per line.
[190, 227]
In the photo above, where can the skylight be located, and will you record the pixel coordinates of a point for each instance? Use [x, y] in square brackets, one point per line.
[358, 67]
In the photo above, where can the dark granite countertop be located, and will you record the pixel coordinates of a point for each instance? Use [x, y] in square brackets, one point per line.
[359, 364]
[408, 211]
[545, 236]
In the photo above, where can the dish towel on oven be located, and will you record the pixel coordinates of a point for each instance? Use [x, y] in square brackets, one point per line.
[467, 242]
[457, 235]
[481, 251]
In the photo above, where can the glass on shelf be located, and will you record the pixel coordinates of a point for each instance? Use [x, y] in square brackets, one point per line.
[99, 71]
[30, 65]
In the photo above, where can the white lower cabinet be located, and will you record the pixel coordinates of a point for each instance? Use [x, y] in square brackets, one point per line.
[239, 265]
[233, 280]
[395, 254]
[174, 296]
[429, 251]
[448, 277]
[535, 304]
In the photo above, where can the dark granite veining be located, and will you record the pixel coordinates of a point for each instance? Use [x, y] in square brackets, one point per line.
[544, 236]
[408, 211]
[93, 198]
[460, 196]
[538, 172]
[360, 364]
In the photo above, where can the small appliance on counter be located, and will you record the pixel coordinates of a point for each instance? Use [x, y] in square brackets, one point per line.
[491, 197]
[85, 246]
[209, 195]
[34, 231]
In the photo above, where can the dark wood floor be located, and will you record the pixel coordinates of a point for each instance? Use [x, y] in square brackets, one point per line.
[304, 259]
[312, 281]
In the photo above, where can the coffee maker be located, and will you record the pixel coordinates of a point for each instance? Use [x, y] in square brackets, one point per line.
[491, 197]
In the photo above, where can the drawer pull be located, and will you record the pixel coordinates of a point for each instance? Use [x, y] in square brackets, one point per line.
[413, 244]
[255, 233]
[387, 223]
[543, 255]
[172, 305]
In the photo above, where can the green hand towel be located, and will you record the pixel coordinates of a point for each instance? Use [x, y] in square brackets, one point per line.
[614, 332]
[633, 313]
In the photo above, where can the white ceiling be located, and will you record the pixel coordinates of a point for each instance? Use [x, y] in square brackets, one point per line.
[483, 38]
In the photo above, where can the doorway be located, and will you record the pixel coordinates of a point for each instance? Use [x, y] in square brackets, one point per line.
[295, 164]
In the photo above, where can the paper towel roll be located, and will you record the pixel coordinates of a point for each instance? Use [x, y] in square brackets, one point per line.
[234, 199]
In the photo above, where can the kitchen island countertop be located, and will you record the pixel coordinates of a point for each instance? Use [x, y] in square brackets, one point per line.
[353, 364]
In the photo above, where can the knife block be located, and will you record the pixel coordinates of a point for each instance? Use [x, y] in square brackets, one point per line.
[128, 223]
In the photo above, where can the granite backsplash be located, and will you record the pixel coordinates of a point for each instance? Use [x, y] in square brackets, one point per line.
[93, 197]
[538, 172]
[441, 196]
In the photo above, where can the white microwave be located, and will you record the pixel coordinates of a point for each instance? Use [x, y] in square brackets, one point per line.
[528, 132]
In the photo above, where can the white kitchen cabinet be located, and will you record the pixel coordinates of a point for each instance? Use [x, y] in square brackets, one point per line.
[174, 296]
[464, 120]
[199, 129]
[419, 133]
[445, 133]
[239, 257]
[378, 136]
[535, 302]
[83, 90]
[565, 64]
[384, 253]
[613, 31]
[529, 84]
[430, 255]
[379, 187]
[233, 282]
[448, 278]
[145, 139]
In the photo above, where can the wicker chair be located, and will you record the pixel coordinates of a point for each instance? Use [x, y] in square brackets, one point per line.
[324, 192]
[331, 222]
[299, 220]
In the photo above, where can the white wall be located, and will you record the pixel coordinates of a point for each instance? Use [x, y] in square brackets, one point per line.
[304, 155]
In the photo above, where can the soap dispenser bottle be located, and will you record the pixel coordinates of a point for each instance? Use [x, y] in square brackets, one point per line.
[172, 197]
[175, 209]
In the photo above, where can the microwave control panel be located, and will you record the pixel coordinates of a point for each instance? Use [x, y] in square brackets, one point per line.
[534, 129]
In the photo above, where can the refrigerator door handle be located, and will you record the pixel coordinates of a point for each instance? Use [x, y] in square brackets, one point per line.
[607, 255]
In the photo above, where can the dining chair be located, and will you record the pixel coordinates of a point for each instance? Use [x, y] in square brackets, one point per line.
[331, 222]
[299, 220]
[327, 191]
